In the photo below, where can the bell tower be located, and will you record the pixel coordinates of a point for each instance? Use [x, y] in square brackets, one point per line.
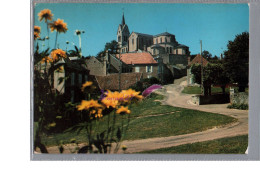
[122, 33]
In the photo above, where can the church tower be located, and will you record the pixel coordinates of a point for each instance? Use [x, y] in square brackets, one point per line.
[122, 33]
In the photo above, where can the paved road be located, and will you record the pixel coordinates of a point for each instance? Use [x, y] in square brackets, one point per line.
[174, 97]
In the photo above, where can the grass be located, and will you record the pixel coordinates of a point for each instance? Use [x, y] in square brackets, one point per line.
[197, 90]
[181, 121]
[233, 145]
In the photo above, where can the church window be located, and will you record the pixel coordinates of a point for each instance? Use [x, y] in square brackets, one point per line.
[119, 38]
[133, 41]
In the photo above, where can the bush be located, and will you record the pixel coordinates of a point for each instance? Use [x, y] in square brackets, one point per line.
[145, 83]
[238, 106]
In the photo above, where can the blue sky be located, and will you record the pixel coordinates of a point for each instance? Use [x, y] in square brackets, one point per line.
[214, 24]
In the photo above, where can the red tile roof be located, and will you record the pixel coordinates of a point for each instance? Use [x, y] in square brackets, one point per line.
[197, 60]
[137, 58]
[111, 81]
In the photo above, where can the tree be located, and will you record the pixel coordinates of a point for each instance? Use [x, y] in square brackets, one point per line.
[206, 55]
[111, 46]
[236, 60]
[213, 74]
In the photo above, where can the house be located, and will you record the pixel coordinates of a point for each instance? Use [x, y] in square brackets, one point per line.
[69, 77]
[196, 60]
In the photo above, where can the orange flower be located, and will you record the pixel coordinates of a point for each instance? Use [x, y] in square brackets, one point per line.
[123, 110]
[46, 60]
[45, 14]
[36, 35]
[37, 29]
[86, 105]
[111, 99]
[86, 84]
[59, 26]
[131, 94]
[57, 54]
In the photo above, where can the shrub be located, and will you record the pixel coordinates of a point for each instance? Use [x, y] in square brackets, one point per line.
[238, 106]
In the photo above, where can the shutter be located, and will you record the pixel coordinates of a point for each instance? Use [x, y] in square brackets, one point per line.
[151, 68]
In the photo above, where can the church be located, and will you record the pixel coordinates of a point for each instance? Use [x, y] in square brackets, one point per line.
[163, 43]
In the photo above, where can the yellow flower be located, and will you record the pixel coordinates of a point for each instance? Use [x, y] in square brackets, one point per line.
[57, 54]
[37, 29]
[86, 84]
[124, 147]
[36, 35]
[46, 60]
[59, 25]
[111, 99]
[86, 105]
[132, 94]
[45, 14]
[123, 110]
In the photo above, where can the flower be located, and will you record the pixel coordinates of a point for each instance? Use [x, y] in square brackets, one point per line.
[37, 29]
[131, 94]
[111, 99]
[45, 14]
[57, 54]
[86, 105]
[59, 25]
[124, 147]
[151, 89]
[46, 60]
[36, 35]
[123, 110]
[86, 84]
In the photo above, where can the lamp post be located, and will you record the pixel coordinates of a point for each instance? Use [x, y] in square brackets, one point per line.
[202, 87]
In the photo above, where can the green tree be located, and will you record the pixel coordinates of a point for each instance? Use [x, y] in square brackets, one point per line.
[111, 46]
[236, 60]
[206, 54]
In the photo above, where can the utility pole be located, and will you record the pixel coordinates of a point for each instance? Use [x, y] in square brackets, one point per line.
[202, 87]
[120, 69]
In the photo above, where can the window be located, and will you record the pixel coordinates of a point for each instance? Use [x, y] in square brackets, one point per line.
[80, 79]
[170, 50]
[137, 69]
[149, 69]
[156, 41]
[167, 49]
[133, 41]
[119, 38]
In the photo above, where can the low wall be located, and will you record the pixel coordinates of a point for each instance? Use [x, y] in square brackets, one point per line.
[239, 98]
[212, 99]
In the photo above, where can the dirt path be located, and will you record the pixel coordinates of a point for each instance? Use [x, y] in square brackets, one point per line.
[174, 97]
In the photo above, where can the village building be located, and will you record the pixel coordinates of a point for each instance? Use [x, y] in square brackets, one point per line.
[196, 60]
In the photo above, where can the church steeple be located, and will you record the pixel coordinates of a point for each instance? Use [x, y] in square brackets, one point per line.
[123, 20]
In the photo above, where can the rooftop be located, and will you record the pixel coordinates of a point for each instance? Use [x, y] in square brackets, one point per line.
[137, 58]
[197, 60]
[164, 34]
[111, 81]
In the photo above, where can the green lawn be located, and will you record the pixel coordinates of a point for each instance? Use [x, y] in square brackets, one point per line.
[233, 145]
[182, 121]
[197, 90]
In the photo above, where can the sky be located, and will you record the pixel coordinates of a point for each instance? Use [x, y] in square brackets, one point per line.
[214, 24]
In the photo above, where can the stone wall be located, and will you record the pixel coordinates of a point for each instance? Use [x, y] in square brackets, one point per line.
[239, 98]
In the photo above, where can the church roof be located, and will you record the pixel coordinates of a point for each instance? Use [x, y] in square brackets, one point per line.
[182, 46]
[164, 34]
[123, 20]
[141, 34]
[137, 58]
